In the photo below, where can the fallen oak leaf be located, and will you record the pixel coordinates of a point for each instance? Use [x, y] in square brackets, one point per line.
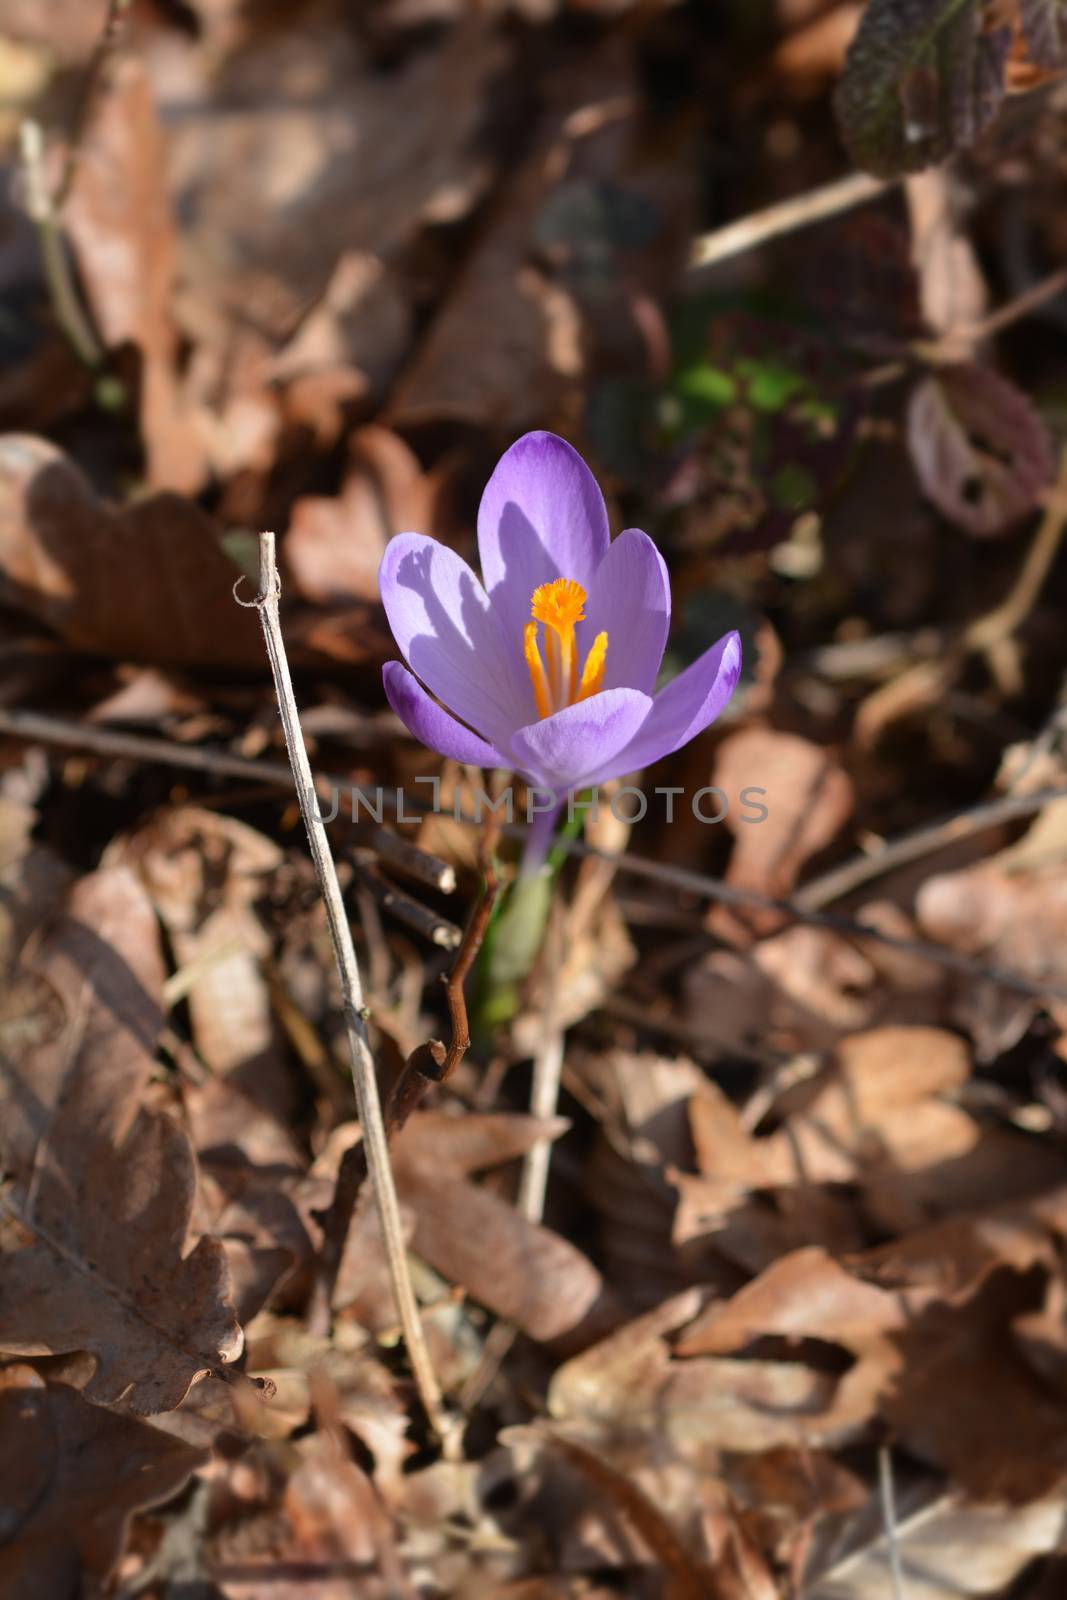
[71, 1476]
[103, 1188]
[962, 1375]
[807, 1295]
[458, 1146]
[149, 581]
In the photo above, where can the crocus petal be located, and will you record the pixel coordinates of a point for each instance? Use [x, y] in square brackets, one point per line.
[450, 635]
[542, 517]
[432, 726]
[684, 708]
[630, 600]
[572, 747]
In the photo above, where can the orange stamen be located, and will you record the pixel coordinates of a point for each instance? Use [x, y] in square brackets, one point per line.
[537, 671]
[593, 671]
[560, 605]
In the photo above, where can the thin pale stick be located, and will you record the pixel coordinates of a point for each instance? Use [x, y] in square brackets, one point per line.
[855, 874]
[544, 1092]
[431, 1063]
[363, 1074]
[66, 304]
[968, 335]
[1005, 618]
[736, 238]
[889, 1519]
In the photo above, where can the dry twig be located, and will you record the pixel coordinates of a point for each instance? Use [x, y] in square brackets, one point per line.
[66, 303]
[374, 1141]
[411, 912]
[804, 907]
[431, 1063]
[889, 1518]
[736, 238]
[94, 75]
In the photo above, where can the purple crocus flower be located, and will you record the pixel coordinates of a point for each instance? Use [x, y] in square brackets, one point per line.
[548, 668]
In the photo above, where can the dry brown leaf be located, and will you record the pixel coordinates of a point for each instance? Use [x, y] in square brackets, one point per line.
[33, 882]
[877, 1106]
[523, 1272]
[631, 1384]
[943, 1374]
[950, 1550]
[805, 1296]
[335, 544]
[71, 1476]
[981, 449]
[328, 166]
[347, 349]
[953, 293]
[616, 1384]
[368, 1397]
[458, 1146]
[954, 1257]
[123, 233]
[203, 871]
[684, 1575]
[807, 988]
[961, 1376]
[1009, 919]
[880, 1118]
[523, 374]
[667, 1420]
[808, 799]
[149, 581]
[817, 50]
[251, 1172]
[103, 1188]
[642, 1131]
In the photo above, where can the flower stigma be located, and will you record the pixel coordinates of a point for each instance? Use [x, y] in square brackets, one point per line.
[558, 606]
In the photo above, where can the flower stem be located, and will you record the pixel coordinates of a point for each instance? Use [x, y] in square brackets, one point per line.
[539, 838]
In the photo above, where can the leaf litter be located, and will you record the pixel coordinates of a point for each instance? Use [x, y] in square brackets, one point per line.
[805, 1222]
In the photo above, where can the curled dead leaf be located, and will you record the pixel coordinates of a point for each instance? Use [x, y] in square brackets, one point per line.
[149, 581]
[982, 453]
[71, 1476]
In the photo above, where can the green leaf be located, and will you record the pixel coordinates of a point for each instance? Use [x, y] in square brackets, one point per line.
[708, 384]
[921, 80]
[771, 384]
